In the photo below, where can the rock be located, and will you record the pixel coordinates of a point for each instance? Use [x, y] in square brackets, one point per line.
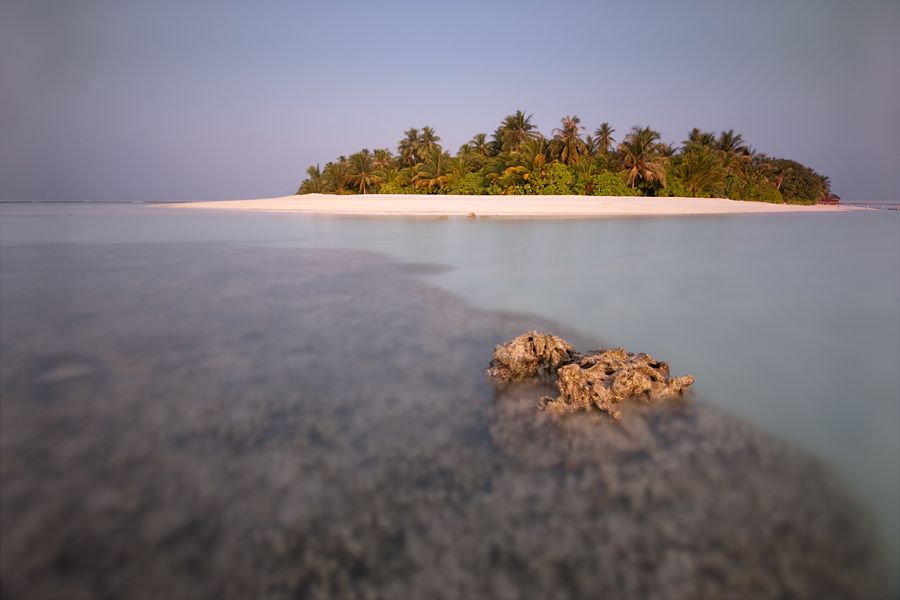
[599, 379]
[532, 354]
[676, 387]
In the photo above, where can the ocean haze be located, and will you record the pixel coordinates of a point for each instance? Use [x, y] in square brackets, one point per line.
[164, 100]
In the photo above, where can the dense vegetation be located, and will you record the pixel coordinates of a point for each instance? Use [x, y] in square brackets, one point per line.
[518, 159]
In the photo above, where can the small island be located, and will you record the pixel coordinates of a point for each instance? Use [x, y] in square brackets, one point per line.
[517, 159]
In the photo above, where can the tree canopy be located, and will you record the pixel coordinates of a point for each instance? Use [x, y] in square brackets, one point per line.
[518, 159]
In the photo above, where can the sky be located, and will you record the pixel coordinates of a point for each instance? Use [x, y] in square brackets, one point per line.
[171, 100]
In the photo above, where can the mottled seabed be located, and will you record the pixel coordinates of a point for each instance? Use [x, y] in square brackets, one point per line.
[221, 420]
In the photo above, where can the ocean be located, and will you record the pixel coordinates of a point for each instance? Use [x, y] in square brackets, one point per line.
[206, 403]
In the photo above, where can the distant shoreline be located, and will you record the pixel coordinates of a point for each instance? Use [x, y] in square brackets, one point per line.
[546, 207]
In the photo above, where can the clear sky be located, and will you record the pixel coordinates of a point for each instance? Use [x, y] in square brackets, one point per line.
[159, 99]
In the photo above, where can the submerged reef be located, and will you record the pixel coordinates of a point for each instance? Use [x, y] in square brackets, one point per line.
[256, 427]
[599, 379]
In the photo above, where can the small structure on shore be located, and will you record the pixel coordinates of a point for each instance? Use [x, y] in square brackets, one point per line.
[599, 379]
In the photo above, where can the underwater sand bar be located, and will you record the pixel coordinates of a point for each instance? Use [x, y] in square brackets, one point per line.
[408, 205]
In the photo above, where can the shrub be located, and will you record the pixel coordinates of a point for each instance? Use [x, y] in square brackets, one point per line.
[557, 179]
[395, 188]
[610, 184]
[468, 184]
[767, 193]
[755, 188]
[798, 183]
[675, 187]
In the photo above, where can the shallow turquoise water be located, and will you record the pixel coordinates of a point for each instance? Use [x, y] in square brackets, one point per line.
[791, 321]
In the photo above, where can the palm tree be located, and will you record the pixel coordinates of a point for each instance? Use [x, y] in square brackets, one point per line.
[603, 136]
[389, 174]
[432, 173]
[696, 138]
[513, 130]
[476, 152]
[584, 172]
[567, 144]
[456, 169]
[529, 161]
[732, 143]
[405, 176]
[640, 156]
[477, 145]
[428, 142]
[509, 178]
[313, 183]
[408, 147]
[337, 176]
[667, 150]
[736, 162]
[532, 152]
[382, 158]
[703, 172]
[364, 174]
[768, 167]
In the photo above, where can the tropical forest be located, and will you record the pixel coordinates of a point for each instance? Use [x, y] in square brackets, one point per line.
[518, 159]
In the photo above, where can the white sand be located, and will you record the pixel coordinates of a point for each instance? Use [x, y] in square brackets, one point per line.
[388, 205]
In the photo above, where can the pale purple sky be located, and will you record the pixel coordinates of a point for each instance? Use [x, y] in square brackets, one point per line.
[158, 99]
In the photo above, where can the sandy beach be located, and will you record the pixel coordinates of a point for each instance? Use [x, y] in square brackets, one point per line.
[390, 205]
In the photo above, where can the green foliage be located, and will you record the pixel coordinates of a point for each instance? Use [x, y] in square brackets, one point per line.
[734, 188]
[313, 184]
[643, 159]
[675, 187]
[765, 192]
[603, 138]
[556, 180]
[428, 143]
[408, 147]
[433, 174]
[475, 161]
[493, 189]
[702, 172]
[699, 139]
[396, 188]
[469, 184]
[731, 142]
[797, 183]
[364, 175]
[751, 188]
[567, 145]
[513, 131]
[518, 159]
[336, 176]
[509, 179]
[607, 183]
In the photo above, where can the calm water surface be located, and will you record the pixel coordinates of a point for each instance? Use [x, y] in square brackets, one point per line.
[791, 322]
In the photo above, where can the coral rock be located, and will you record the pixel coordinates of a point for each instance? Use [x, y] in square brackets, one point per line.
[532, 354]
[599, 379]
